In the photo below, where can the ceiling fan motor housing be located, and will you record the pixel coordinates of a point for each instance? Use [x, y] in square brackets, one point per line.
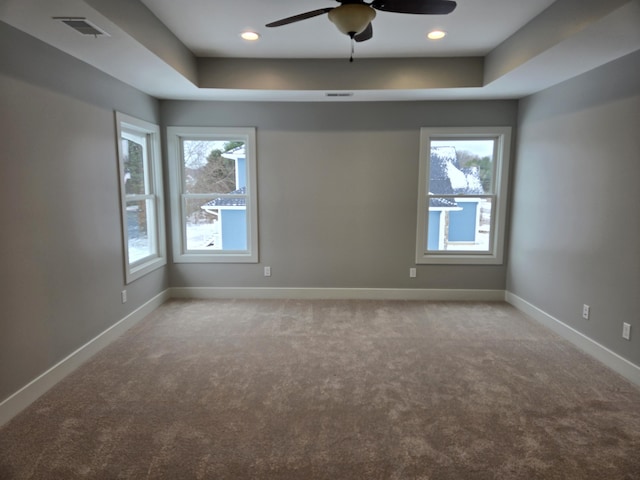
[352, 18]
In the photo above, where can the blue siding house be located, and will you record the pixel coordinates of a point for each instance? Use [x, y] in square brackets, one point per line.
[232, 212]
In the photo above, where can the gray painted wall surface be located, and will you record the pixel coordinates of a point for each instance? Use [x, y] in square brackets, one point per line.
[337, 190]
[60, 246]
[575, 214]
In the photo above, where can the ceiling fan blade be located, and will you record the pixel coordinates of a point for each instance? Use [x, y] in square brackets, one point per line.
[420, 7]
[365, 35]
[297, 18]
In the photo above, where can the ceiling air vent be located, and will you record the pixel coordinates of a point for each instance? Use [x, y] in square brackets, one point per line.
[82, 25]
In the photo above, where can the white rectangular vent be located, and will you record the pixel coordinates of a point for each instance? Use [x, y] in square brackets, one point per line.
[82, 25]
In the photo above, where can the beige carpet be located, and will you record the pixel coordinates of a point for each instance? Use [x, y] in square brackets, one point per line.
[248, 389]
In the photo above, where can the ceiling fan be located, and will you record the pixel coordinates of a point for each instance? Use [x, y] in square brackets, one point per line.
[353, 17]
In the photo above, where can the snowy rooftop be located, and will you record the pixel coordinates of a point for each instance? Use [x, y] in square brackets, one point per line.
[235, 153]
[442, 202]
[446, 177]
[228, 202]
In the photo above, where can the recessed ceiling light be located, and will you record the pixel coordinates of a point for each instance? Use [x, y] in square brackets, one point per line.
[251, 36]
[436, 35]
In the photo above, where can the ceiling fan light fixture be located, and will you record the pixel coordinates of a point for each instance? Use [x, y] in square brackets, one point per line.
[250, 36]
[436, 34]
[352, 18]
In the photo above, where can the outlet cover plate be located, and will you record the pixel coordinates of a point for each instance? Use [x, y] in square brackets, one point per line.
[626, 331]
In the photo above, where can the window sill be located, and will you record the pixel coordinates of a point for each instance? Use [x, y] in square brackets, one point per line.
[459, 259]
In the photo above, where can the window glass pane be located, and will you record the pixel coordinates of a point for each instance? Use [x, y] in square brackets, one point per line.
[459, 224]
[216, 223]
[134, 167]
[202, 227]
[461, 166]
[214, 166]
[139, 223]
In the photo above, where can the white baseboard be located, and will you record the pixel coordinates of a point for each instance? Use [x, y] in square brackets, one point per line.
[37, 387]
[339, 293]
[608, 357]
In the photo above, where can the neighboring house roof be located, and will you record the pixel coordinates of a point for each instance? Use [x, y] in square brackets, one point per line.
[441, 202]
[447, 178]
[228, 202]
[235, 153]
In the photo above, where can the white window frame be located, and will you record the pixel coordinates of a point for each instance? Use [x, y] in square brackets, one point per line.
[175, 136]
[502, 155]
[127, 126]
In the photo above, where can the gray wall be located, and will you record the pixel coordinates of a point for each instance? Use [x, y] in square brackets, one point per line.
[337, 186]
[575, 214]
[60, 247]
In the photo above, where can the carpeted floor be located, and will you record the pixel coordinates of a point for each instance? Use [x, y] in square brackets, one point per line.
[269, 389]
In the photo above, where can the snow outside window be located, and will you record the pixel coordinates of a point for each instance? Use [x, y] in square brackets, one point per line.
[140, 171]
[213, 192]
[462, 194]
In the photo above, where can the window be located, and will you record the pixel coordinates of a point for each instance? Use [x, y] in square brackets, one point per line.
[141, 196]
[213, 189]
[462, 194]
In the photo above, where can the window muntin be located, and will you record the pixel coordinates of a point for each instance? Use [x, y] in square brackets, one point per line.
[213, 194]
[462, 193]
[141, 187]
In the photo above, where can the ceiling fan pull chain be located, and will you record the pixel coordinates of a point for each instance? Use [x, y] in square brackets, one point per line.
[352, 49]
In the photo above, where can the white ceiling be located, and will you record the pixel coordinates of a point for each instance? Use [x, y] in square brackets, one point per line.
[211, 28]
[191, 49]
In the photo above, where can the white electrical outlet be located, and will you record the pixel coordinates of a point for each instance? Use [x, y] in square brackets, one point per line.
[267, 271]
[626, 331]
[123, 294]
[412, 272]
[586, 310]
